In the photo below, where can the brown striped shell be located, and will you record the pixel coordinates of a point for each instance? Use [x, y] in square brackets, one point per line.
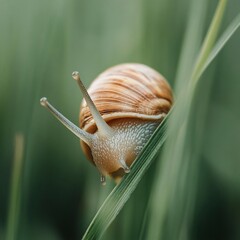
[126, 91]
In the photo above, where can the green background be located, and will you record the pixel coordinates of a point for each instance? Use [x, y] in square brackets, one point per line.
[41, 43]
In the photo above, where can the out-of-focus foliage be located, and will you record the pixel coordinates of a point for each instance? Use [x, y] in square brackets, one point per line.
[41, 43]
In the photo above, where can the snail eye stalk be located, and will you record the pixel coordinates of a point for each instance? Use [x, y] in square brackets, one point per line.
[85, 136]
[102, 126]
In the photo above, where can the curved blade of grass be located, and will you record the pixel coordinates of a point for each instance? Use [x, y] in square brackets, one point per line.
[209, 41]
[122, 192]
[231, 29]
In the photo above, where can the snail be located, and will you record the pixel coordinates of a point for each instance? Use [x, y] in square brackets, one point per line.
[119, 113]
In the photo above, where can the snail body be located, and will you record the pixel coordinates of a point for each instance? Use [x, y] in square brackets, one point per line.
[119, 113]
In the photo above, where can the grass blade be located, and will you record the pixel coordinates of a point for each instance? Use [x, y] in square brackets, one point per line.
[13, 213]
[177, 165]
[209, 40]
[231, 29]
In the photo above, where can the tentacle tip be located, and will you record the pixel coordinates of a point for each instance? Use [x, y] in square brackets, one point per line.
[43, 101]
[103, 180]
[124, 166]
[127, 170]
[75, 75]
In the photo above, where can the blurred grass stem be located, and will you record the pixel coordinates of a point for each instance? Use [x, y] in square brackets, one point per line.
[14, 199]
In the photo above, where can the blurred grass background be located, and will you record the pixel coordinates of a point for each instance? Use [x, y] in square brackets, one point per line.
[41, 44]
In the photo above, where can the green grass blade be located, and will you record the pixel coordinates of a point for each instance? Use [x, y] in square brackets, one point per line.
[13, 213]
[122, 192]
[231, 29]
[177, 164]
[209, 40]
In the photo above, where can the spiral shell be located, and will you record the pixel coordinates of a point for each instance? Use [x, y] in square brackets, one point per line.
[126, 91]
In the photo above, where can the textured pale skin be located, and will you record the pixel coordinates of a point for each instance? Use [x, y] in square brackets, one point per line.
[128, 139]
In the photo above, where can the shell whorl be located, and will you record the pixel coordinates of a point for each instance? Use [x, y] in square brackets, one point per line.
[127, 91]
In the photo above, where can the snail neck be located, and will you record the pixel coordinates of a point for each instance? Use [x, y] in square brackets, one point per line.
[114, 154]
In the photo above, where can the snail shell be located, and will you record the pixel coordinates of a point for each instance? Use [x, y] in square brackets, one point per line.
[126, 94]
